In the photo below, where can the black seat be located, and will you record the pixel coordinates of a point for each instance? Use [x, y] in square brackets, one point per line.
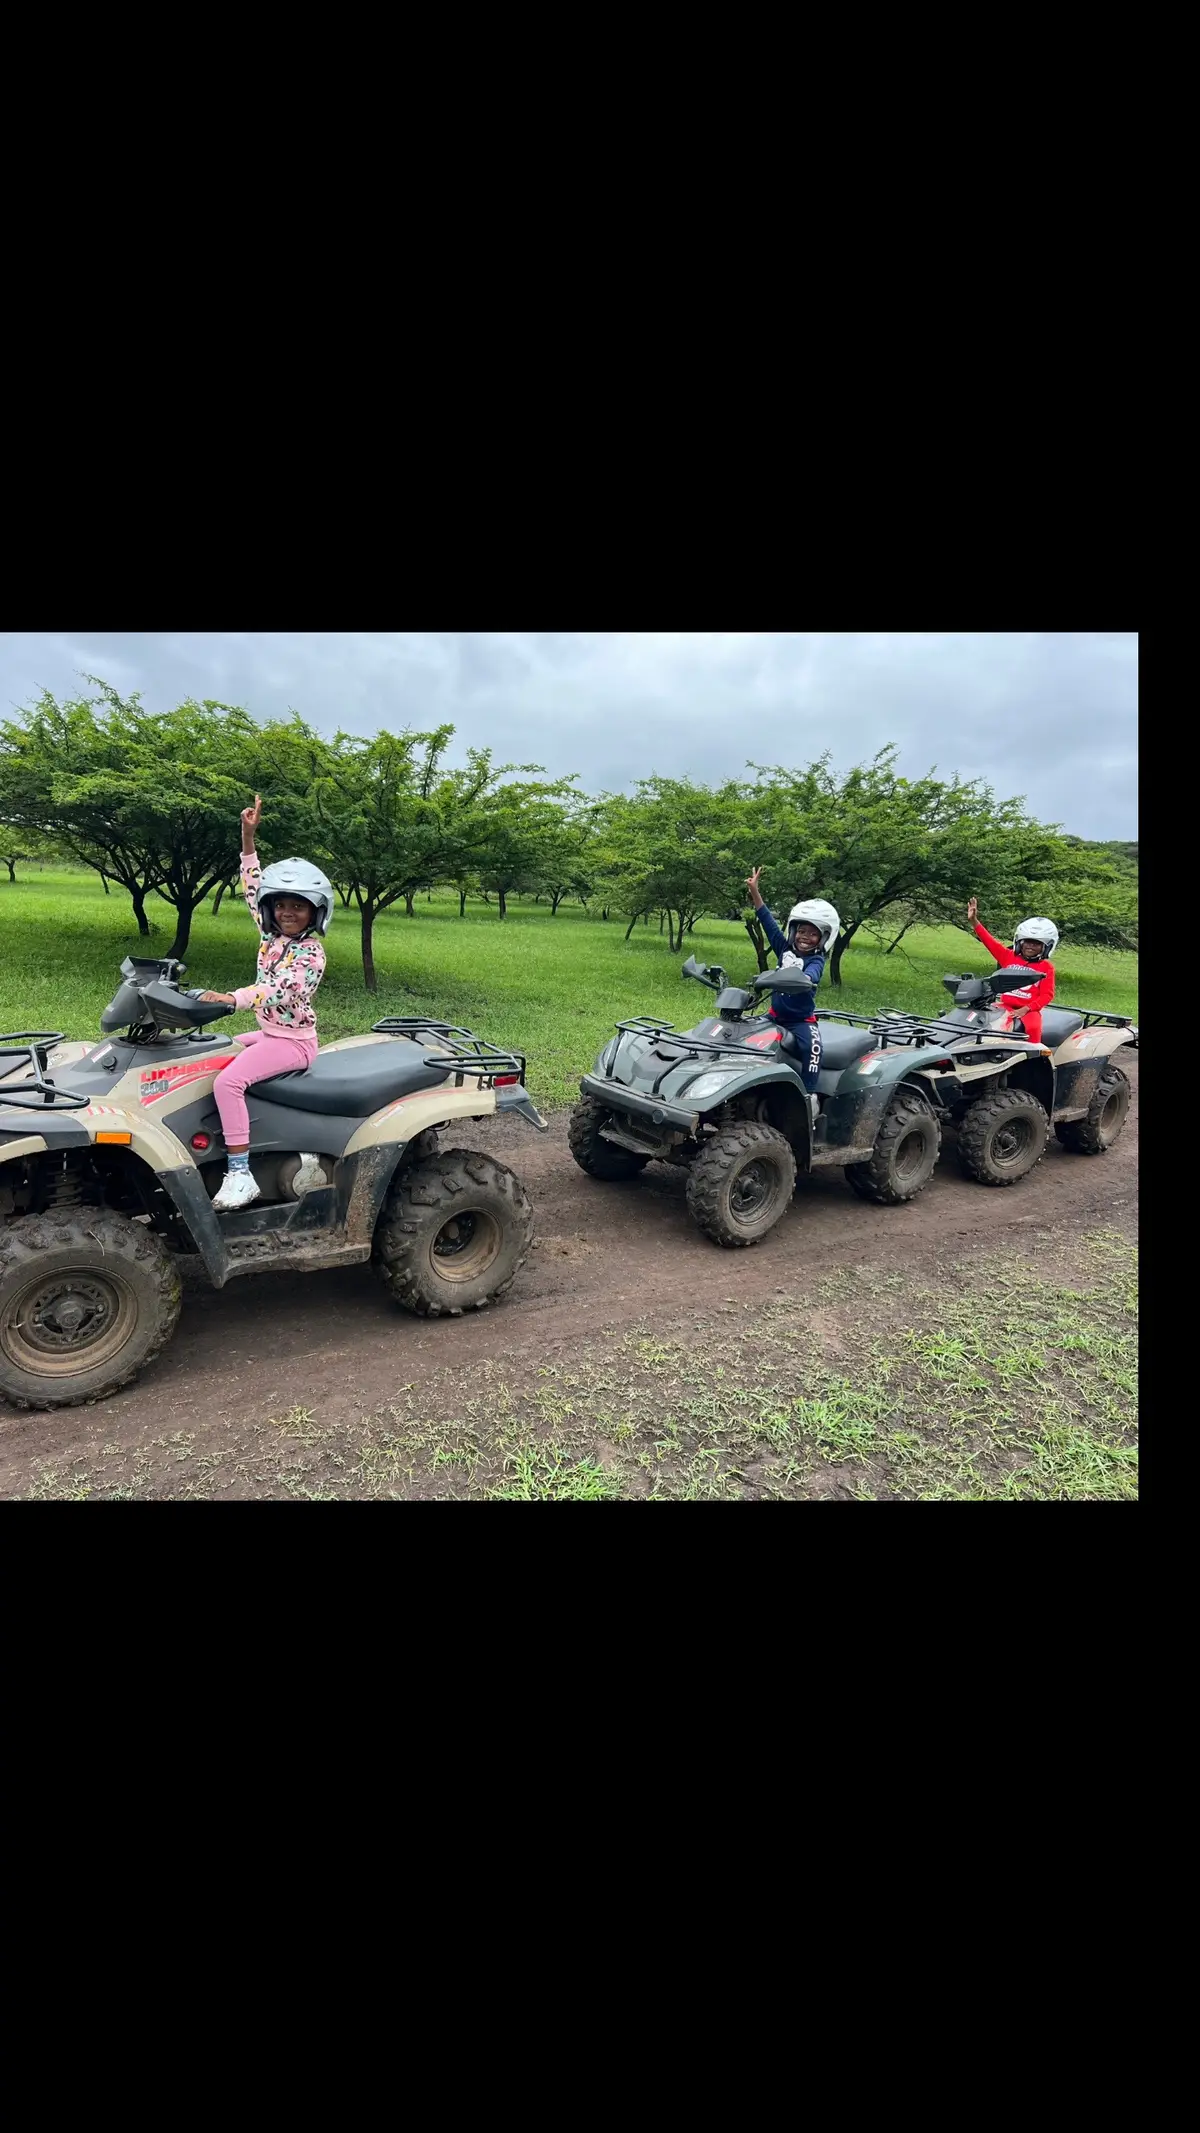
[842, 1044]
[353, 1083]
[1059, 1023]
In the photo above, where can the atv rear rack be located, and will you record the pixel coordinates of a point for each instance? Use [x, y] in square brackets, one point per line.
[34, 1045]
[468, 1053]
[921, 1030]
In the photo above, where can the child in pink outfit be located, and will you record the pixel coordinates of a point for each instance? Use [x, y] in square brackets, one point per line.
[291, 964]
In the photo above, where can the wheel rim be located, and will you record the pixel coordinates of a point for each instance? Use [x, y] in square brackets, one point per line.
[466, 1245]
[1110, 1117]
[59, 1325]
[1012, 1142]
[910, 1154]
[751, 1192]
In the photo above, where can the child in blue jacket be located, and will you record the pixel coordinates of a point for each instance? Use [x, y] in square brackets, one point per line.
[812, 929]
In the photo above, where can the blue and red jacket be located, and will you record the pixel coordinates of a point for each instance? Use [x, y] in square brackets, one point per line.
[785, 1007]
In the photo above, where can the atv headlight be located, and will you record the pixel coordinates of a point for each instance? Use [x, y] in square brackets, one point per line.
[708, 1085]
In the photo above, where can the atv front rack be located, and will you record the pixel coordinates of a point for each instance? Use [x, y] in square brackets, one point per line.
[34, 1045]
[468, 1053]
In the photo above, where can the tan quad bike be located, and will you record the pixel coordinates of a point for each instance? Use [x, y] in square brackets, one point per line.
[111, 1154]
[1002, 1092]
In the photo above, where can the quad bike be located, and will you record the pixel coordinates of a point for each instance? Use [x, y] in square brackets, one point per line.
[111, 1153]
[1002, 1091]
[727, 1101]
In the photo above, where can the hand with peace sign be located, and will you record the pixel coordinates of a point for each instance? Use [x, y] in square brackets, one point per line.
[251, 817]
[756, 897]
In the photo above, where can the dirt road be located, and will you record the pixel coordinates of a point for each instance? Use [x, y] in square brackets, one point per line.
[606, 1256]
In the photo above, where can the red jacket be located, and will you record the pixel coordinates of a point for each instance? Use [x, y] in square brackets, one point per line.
[1024, 1006]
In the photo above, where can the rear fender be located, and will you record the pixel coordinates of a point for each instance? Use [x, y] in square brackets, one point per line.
[859, 1104]
[409, 1115]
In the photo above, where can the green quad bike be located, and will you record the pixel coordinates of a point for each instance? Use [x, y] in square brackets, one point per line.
[999, 1090]
[111, 1154]
[726, 1100]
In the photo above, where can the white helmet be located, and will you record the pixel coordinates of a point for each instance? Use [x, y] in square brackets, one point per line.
[1038, 929]
[816, 912]
[295, 877]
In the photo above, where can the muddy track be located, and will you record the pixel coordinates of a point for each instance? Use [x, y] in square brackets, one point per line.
[605, 1255]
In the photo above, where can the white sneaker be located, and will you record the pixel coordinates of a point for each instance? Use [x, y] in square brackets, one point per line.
[238, 1190]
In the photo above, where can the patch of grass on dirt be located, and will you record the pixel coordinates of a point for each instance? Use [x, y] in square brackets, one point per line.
[552, 986]
[1011, 1380]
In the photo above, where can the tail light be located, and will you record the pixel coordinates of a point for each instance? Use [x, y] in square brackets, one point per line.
[507, 1081]
[200, 1140]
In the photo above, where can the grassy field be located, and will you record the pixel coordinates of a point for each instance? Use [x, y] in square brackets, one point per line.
[552, 986]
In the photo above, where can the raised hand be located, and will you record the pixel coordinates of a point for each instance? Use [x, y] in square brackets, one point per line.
[251, 817]
[972, 910]
[752, 885]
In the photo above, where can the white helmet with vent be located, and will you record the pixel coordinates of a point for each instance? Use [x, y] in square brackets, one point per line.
[295, 877]
[814, 911]
[1042, 930]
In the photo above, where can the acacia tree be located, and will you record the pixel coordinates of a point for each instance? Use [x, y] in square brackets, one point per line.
[389, 818]
[518, 834]
[875, 844]
[674, 848]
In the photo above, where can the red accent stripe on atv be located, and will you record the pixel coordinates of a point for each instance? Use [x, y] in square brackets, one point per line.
[159, 1081]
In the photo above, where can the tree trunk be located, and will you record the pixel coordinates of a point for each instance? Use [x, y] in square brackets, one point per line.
[502, 896]
[183, 930]
[900, 936]
[368, 947]
[839, 949]
[661, 916]
[12, 869]
[139, 911]
[462, 903]
[222, 891]
[408, 903]
[556, 897]
[758, 941]
[104, 879]
[347, 897]
[632, 923]
[604, 916]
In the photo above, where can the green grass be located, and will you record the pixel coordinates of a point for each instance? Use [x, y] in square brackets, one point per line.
[552, 986]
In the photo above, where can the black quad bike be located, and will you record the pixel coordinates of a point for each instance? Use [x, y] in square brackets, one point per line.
[1002, 1092]
[111, 1154]
[727, 1101]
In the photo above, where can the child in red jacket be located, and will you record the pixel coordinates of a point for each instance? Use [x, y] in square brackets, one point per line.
[1033, 945]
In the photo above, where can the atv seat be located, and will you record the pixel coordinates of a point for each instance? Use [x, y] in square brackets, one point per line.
[1059, 1023]
[842, 1044]
[354, 1083]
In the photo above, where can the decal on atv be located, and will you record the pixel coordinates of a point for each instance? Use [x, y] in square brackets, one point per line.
[764, 1038]
[160, 1081]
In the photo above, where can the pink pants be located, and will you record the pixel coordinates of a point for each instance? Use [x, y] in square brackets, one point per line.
[263, 1054]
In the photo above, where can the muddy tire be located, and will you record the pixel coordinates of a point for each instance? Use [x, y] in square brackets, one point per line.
[1107, 1113]
[595, 1155]
[87, 1299]
[1002, 1137]
[741, 1182]
[455, 1232]
[905, 1155]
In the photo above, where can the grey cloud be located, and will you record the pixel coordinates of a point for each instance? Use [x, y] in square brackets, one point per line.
[1052, 715]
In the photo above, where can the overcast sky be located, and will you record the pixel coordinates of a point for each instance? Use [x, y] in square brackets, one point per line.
[1052, 715]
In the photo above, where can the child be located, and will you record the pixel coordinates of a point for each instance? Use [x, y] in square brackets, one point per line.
[1034, 944]
[812, 929]
[291, 964]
